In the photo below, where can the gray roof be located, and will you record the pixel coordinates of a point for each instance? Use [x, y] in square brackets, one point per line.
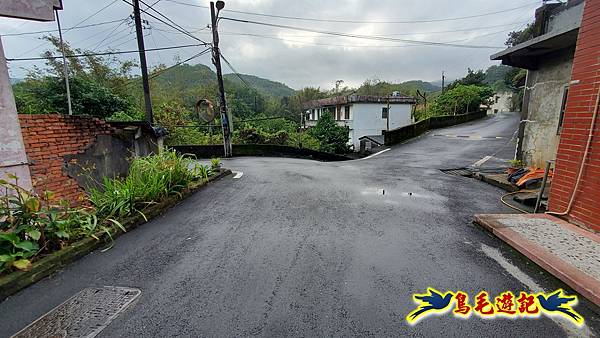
[560, 26]
[353, 98]
[526, 54]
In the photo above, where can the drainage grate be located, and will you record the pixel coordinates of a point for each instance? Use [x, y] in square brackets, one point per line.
[85, 314]
[458, 172]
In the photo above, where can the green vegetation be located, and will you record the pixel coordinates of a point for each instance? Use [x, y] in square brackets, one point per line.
[332, 138]
[215, 164]
[516, 163]
[33, 226]
[264, 86]
[461, 96]
[265, 112]
[517, 37]
[149, 180]
[458, 100]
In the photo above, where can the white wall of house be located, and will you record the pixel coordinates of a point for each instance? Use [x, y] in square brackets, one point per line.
[368, 120]
[501, 102]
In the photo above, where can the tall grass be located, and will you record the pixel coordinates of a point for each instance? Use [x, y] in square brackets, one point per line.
[149, 180]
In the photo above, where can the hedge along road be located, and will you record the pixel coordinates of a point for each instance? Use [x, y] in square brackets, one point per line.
[306, 248]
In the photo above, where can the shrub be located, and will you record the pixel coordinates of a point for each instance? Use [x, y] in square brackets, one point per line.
[459, 100]
[31, 225]
[332, 138]
[215, 163]
[149, 180]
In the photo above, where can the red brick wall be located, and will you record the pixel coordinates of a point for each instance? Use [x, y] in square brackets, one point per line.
[48, 138]
[578, 115]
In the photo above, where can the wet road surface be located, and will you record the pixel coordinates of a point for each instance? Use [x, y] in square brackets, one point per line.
[305, 248]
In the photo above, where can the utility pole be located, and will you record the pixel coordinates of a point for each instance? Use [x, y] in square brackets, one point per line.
[65, 67]
[388, 115]
[217, 62]
[443, 81]
[140, 40]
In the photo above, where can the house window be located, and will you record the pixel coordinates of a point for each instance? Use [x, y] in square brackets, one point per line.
[384, 112]
[563, 106]
[497, 98]
[347, 113]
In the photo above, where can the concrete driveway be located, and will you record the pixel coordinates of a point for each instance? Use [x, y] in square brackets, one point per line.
[303, 248]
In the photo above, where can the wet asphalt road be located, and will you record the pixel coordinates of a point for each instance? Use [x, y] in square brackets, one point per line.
[304, 248]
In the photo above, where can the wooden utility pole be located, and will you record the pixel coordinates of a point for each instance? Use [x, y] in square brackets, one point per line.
[65, 67]
[387, 121]
[217, 62]
[140, 40]
[443, 81]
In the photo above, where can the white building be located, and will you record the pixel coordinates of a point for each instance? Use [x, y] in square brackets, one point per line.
[364, 115]
[500, 102]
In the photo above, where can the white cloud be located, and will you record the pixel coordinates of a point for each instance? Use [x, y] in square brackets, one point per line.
[306, 58]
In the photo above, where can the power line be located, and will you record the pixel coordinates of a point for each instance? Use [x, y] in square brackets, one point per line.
[110, 34]
[368, 37]
[159, 72]
[235, 72]
[75, 26]
[100, 54]
[117, 27]
[66, 29]
[162, 15]
[170, 25]
[363, 21]
[391, 34]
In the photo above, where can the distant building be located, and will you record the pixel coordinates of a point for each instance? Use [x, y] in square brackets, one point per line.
[500, 102]
[365, 115]
[548, 58]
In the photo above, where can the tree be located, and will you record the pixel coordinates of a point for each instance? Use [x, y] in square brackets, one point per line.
[517, 37]
[472, 78]
[98, 85]
[460, 99]
[332, 138]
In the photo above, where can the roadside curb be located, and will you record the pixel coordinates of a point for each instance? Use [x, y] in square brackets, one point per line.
[15, 281]
[581, 282]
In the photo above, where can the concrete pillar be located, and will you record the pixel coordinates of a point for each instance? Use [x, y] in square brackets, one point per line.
[12, 150]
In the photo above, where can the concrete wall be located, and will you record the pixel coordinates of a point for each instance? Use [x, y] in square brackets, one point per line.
[581, 104]
[216, 150]
[12, 151]
[566, 19]
[413, 130]
[546, 86]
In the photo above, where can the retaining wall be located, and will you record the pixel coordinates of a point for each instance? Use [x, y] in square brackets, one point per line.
[398, 135]
[208, 151]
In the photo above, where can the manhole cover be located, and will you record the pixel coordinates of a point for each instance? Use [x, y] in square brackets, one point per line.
[83, 315]
[458, 172]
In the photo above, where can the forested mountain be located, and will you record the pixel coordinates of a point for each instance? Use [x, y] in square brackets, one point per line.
[187, 76]
[264, 86]
[421, 85]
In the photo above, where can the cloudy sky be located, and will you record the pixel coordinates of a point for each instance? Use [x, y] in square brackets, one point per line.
[297, 57]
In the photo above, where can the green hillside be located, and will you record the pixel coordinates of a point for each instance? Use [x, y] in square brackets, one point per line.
[421, 85]
[264, 86]
[190, 76]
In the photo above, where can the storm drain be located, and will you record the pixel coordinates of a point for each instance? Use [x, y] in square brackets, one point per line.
[458, 172]
[85, 314]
